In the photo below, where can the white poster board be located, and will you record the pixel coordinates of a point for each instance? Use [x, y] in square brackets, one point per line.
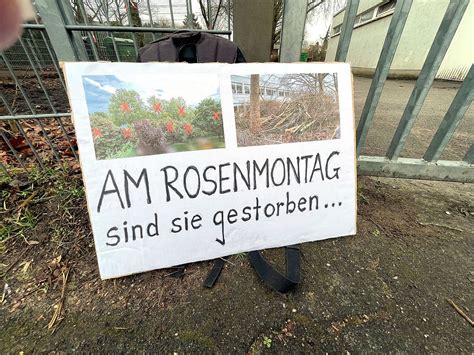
[188, 162]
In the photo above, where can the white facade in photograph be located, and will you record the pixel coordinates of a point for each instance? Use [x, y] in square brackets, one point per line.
[270, 89]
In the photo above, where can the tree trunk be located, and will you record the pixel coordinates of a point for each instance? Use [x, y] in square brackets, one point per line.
[255, 123]
[321, 83]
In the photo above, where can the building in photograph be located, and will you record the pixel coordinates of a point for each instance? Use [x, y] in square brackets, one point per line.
[271, 88]
[280, 87]
[370, 29]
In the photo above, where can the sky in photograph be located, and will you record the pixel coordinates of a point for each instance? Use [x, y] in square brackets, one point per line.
[192, 87]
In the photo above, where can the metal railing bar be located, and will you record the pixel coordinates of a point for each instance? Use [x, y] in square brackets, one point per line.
[48, 98]
[77, 43]
[189, 13]
[209, 14]
[453, 117]
[89, 35]
[40, 81]
[22, 131]
[346, 30]
[33, 26]
[61, 126]
[469, 157]
[25, 96]
[34, 116]
[13, 150]
[32, 47]
[50, 143]
[390, 45]
[138, 29]
[111, 34]
[135, 43]
[171, 13]
[445, 34]
[54, 60]
[17, 82]
[410, 168]
[53, 20]
[114, 45]
[151, 17]
[228, 17]
[189, 7]
[30, 144]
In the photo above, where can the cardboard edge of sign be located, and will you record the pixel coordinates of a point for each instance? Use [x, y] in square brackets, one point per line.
[62, 65]
[347, 67]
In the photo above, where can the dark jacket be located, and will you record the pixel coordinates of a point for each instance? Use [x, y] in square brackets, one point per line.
[191, 47]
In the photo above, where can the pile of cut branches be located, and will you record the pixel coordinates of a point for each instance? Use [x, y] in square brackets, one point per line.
[301, 117]
[303, 114]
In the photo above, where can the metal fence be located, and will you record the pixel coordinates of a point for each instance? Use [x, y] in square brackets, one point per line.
[428, 167]
[35, 123]
[34, 113]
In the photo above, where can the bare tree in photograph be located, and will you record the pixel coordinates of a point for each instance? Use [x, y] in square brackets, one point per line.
[254, 114]
[314, 82]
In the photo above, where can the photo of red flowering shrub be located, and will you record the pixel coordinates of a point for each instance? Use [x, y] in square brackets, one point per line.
[124, 123]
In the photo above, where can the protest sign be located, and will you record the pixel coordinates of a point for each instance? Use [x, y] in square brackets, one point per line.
[185, 162]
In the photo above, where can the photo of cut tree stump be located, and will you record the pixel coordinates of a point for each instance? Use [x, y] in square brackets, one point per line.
[285, 108]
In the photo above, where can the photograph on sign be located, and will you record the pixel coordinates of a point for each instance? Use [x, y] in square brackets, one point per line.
[179, 166]
[285, 108]
[173, 114]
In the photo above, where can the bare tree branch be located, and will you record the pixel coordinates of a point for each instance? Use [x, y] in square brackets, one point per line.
[219, 6]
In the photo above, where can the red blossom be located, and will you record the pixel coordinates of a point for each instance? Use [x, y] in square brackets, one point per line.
[216, 116]
[181, 111]
[188, 128]
[170, 127]
[96, 133]
[127, 133]
[157, 107]
[125, 107]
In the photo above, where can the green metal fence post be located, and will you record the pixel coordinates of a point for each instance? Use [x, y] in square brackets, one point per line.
[76, 38]
[453, 117]
[90, 35]
[292, 30]
[53, 22]
[445, 34]
[346, 30]
[390, 45]
[171, 13]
